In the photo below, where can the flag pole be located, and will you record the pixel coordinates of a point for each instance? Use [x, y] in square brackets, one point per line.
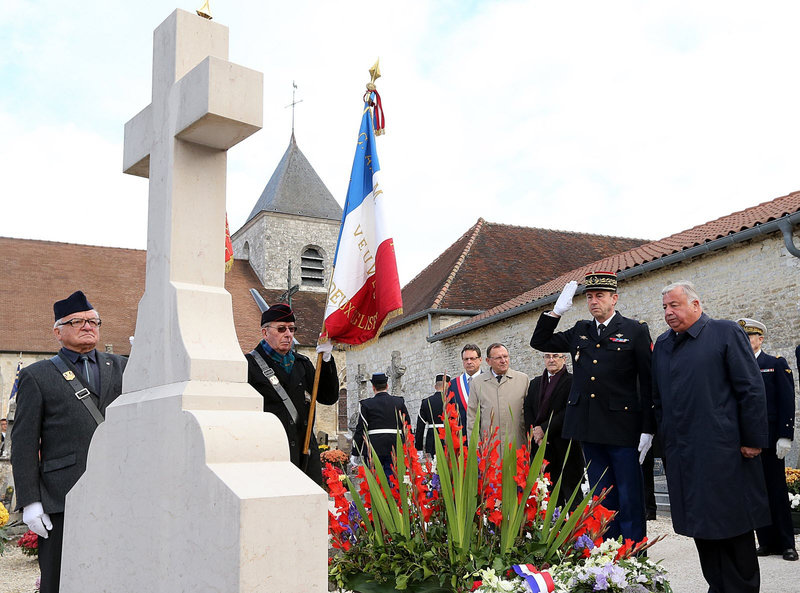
[375, 73]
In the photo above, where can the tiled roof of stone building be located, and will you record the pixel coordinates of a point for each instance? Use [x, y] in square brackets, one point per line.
[35, 274]
[491, 263]
[649, 252]
[295, 188]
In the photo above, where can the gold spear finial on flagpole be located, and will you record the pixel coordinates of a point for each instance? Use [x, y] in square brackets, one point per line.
[375, 74]
[204, 11]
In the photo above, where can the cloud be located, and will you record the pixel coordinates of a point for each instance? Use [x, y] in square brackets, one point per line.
[625, 119]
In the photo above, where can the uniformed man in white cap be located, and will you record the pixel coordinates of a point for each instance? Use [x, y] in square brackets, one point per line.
[778, 537]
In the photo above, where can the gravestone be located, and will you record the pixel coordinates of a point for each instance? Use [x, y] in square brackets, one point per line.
[188, 484]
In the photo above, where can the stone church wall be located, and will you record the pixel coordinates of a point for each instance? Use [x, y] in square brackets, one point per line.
[757, 279]
[274, 239]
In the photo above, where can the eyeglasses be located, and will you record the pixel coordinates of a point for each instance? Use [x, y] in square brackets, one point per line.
[283, 328]
[78, 323]
[470, 358]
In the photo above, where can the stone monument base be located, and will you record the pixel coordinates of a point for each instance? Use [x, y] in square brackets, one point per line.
[193, 500]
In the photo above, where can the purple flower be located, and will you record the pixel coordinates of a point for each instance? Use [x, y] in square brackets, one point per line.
[600, 582]
[556, 513]
[584, 541]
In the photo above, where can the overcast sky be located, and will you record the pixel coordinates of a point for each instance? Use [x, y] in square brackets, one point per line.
[629, 118]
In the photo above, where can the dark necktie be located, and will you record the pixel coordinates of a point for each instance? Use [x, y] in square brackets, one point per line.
[499, 377]
[600, 328]
[86, 374]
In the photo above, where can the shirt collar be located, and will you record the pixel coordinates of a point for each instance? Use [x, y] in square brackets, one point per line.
[72, 356]
[606, 322]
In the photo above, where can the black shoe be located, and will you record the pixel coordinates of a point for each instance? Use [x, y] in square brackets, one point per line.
[790, 554]
[651, 516]
[762, 551]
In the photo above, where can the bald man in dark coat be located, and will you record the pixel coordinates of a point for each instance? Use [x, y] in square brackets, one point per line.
[711, 409]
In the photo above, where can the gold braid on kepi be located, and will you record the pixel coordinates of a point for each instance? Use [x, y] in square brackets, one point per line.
[751, 326]
[601, 281]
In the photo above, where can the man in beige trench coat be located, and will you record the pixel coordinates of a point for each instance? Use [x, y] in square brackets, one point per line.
[499, 395]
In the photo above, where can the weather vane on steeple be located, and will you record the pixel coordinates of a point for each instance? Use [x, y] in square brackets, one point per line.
[292, 104]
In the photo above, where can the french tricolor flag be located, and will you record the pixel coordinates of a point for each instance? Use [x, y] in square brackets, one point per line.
[365, 289]
[537, 581]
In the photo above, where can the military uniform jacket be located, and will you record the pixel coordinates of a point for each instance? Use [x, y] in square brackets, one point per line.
[610, 402]
[428, 422]
[500, 405]
[50, 421]
[383, 413]
[779, 387]
[296, 385]
[709, 402]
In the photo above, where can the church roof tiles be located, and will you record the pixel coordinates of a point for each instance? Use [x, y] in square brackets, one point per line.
[295, 188]
[490, 263]
[648, 252]
[35, 274]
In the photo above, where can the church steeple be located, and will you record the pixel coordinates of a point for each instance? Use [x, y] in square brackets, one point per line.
[296, 189]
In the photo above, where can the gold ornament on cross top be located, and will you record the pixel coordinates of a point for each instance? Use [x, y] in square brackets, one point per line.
[204, 11]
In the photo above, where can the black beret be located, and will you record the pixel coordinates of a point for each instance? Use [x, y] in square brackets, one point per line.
[379, 379]
[74, 303]
[442, 377]
[279, 312]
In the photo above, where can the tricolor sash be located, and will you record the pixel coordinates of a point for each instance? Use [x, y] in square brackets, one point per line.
[538, 581]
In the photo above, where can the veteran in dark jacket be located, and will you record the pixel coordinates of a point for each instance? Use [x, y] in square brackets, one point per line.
[712, 415]
[285, 380]
[609, 409]
[544, 408]
[778, 536]
[53, 427]
[381, 418]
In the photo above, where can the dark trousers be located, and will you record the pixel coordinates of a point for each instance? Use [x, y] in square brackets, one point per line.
[50, 555]
[650, 483]
[730, 565]
[779, 535]
[622, 470]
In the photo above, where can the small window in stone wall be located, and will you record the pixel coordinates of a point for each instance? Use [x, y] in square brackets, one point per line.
[312, 267]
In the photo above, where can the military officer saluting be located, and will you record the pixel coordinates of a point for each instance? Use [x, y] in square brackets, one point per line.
[609, 408]
[778, 537]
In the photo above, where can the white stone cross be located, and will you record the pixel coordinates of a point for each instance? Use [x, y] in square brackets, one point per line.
[201, 106]
[213, 480]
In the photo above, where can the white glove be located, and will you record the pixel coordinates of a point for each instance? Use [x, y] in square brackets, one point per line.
[564, 302]
[354, 461]
[782, 447]
[325, 348]
[36, 519]
[645, 442]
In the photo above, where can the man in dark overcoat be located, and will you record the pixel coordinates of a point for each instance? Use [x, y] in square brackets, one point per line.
[609, 408]
[53, 427]
[544, 408]
[429, 420]
[712, 414]
[285, 379]
[381, 418]
[778, 536]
